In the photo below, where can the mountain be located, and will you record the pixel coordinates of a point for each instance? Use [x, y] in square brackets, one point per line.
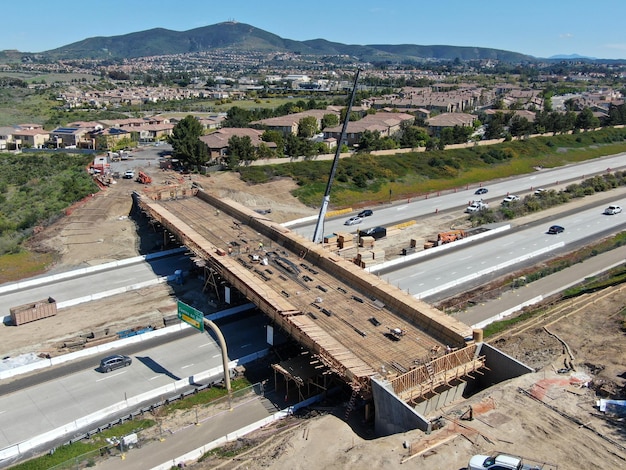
[244, 37]
[571, 57]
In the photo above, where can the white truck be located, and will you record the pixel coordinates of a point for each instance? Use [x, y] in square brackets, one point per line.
[507, 462]
[476, 206]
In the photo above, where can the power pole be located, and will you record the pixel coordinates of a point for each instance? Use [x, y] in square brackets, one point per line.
[319, 227]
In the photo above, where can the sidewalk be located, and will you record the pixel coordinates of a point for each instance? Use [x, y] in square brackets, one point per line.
[514, 300]
[157, 453]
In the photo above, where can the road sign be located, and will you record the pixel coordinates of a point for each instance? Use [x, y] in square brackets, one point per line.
[190, 315]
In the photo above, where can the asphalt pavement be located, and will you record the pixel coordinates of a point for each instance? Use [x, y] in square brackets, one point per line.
[516, 299]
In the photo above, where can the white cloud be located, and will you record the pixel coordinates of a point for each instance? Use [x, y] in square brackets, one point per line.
[566, 35]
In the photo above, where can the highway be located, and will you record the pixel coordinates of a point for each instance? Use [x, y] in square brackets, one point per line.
[30, 407]
[77, 284]
[454, 270]
[458, 199]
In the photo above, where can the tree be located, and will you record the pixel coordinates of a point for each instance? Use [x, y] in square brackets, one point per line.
[277, 138]
[586, 120]
[330, 120]
[413, 136]
[307, 127]
[242, 149]
[519, 126]
[186, 144]
[237, 117]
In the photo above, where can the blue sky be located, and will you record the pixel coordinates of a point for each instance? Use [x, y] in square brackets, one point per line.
[538, 28]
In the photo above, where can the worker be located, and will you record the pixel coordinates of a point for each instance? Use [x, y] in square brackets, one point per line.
[260, 245]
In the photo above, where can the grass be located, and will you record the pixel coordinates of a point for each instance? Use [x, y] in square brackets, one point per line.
[22, 265]
[83, 450]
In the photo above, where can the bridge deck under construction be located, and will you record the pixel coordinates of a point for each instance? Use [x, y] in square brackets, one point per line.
[355, 323]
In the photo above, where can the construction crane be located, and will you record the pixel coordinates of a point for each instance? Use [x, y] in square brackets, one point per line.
[319, 227]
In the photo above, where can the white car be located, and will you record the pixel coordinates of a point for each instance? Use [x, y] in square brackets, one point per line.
[129, 175]
[353, 220]
[510, 198]
[612, 210]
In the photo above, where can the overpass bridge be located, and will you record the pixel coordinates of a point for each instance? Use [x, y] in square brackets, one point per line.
[354, 325]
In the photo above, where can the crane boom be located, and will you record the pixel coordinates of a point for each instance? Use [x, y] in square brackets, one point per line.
[319, 227]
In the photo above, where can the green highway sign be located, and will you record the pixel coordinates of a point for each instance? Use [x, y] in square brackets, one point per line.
[190, 315]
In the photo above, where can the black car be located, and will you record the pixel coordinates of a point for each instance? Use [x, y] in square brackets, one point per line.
[556, 229]
[115, 361]
[375, 232]
[481, 191]
[365, 213]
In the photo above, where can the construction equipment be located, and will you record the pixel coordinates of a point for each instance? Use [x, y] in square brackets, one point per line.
[143, 178]
[450, 236]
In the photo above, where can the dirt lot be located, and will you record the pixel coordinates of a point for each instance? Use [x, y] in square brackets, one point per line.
[547, 416]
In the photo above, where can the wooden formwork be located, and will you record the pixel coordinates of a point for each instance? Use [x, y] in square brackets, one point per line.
[342, 314]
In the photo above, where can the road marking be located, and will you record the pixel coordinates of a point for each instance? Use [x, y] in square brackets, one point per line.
[155, 377]
[216, 355]
[205, 345]
[416, 274]
[245, 345]
[111, 376]
[188, 365]
[3, 411]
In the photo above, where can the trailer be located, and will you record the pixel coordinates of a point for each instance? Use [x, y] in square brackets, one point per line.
[33, 311]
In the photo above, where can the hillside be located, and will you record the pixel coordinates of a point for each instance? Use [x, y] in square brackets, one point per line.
[244, 37]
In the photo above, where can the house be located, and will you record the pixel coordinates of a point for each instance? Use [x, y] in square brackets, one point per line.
[437, 123]
[68, 137]
[217, 142]
[289, 124]
[386, 124]
[33, 138]
[6, 137]
[112, 135]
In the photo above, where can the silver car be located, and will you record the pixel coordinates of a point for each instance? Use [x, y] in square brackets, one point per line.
[115, 361]
[353, 220]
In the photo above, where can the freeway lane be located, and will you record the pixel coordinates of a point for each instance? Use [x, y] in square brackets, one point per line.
[37, 409]
[93, 283]
[521, 185]
[456, 268]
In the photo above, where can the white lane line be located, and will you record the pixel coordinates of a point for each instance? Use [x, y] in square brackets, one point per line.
[111, 376]
[188, 365]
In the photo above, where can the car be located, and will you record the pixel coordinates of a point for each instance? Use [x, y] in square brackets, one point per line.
[481, 191]
[612, 210]
[554, 229]
[510, 198]
[375, 232]
[495, 462]
[129, 175]
[539, 191]
[114, 361]
[365, 213]
[353, 220]
[476, 206]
